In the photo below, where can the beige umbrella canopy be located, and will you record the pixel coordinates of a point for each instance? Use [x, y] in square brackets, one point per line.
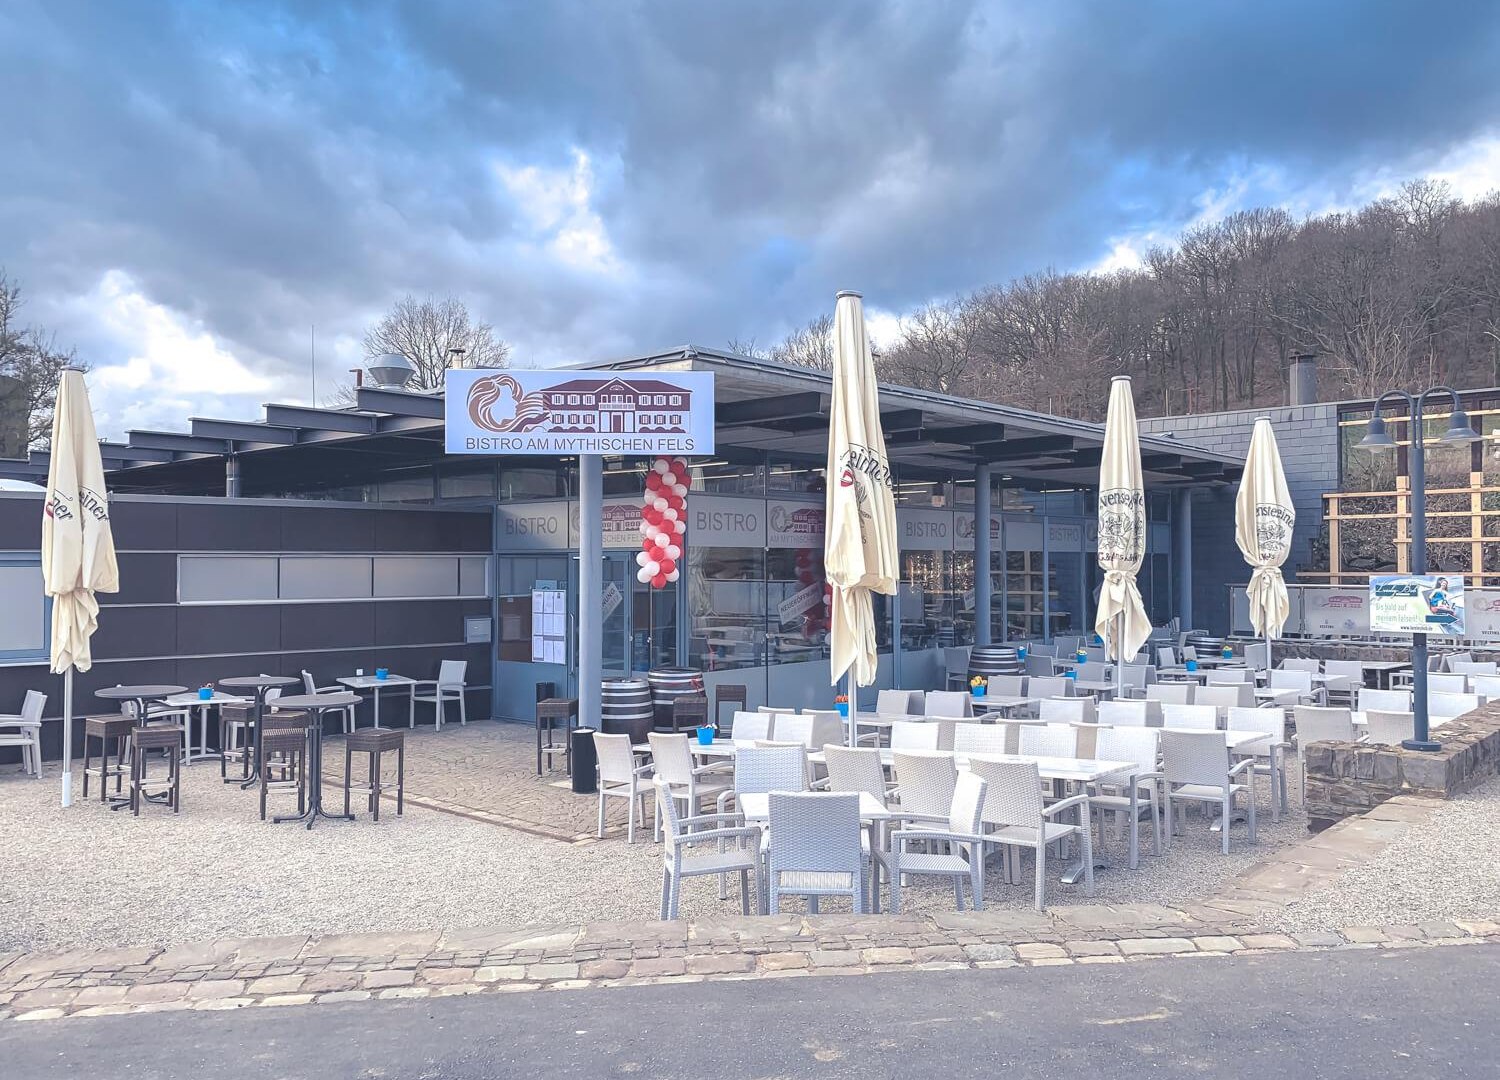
[1264, 518]
[1121, 619]
[860, 531]
[78, 548]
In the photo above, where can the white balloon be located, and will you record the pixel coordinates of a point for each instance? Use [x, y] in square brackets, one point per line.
[660, 504]
[668, 478]
[660, 466]
[674, 575]
[674, 552]
[680, 490]
[645, 528]
[669, 514]
[679, 527]
[643, 575]
[640, 558]
[660, 540]
[652, 568]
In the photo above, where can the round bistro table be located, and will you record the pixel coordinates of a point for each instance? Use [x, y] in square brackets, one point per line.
[142, 695]
[318, 704]
[259, 684]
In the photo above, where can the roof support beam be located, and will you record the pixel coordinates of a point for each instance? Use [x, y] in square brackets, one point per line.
[1021, 449]
[318, 420]
[398, 402]
[177, 443]
[243, 434]
[778, 407]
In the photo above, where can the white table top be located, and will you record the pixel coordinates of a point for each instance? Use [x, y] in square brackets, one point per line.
[1085, 770]
[367, 682]
[1097, 687]
[219, 698]
[757, 807]
[1233, 739]
[1002, 701]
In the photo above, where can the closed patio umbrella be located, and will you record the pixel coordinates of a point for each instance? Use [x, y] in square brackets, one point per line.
[860, 530]
[78, 549]
[1121, 619]
[1264, 518]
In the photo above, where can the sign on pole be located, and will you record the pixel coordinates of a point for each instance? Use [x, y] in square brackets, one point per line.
[1417, 604]
[578, 412]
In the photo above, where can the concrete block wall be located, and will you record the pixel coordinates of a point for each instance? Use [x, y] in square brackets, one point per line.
[1308, 437]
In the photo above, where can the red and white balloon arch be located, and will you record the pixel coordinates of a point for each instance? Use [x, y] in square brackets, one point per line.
[663, 522]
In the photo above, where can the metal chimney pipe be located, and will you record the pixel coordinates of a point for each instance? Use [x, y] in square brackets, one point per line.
[1302, 379]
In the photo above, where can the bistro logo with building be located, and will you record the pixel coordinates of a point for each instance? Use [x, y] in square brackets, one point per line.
[560, 412]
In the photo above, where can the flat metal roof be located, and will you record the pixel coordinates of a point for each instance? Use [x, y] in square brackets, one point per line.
[760, 405]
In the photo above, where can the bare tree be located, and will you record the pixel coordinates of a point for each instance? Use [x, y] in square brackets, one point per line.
[435, 335]
[808, 346]
[31, 366]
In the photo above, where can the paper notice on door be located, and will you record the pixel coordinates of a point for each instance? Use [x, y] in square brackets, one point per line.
[612, 599]
[802, 600]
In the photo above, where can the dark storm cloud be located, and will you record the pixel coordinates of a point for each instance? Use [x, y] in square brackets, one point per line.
[260, 167]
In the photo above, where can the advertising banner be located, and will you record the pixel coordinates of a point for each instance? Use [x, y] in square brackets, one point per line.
[574, 412]
[1332, 611]
[1482, 613]
[1417, 604]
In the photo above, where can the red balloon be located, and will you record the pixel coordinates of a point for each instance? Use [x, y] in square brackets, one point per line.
[659, 581]
[648, 544]
[667, 565]
[653, 481]
[805, 577]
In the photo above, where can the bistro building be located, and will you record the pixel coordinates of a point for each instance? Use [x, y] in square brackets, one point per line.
[337, 539]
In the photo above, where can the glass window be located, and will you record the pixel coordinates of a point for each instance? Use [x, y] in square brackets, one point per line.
[414, 488]
[796, 605]
[785, 475]
[544, 481]
[336, 577]
[205, 579]
[24, 631]
[478, 483]
[726, 604]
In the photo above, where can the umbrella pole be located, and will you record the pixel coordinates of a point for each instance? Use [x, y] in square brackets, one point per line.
[67, 740]
[1120, 657]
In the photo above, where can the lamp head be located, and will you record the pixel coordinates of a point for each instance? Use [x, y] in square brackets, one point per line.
[1376, 437]
[1459, 429]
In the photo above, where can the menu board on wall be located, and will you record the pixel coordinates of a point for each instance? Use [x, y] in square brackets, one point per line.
[549, 626]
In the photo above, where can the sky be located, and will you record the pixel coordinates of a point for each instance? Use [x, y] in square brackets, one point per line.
[189, 188]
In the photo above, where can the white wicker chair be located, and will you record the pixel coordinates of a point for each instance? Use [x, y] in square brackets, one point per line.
[1174, 693]
[956, 666]
[1388, 728]
[1068, 710]
[1443, 707]
[1300, 682]
[893, 703]
[963, 859]
[448, 686]
[855, 769]
[1226, 696]
[914, 735]
[1049, 740]
[1385, 700]
[620, 777]
[1343, 678]
[1014, 817]
[1121, 794]
[749, 726]
[1007, 685]
[1197, 717]
[691, 850]
[924, 783]
[1269, 754]
[25, 731]
[691, 784]
[1297, 663]
[986, 739]
[1446, 683]
[1135, 712]
[949, 703]
[1195, 768]
[817, 849]
[1049, 686]
[1486, 687]
[1474, 667]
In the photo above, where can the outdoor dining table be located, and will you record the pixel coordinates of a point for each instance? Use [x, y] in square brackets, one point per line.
[317, 704]
[377, 684]
[1104, 690]
[1384, 669]
[1002, 703]
[143, 695]
[198, 706]
[259, 684]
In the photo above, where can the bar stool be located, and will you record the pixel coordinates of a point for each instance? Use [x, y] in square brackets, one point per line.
[548, 713]
[728, 694]
[109, 728]
[160, 737]
[376, 741]
[690, 711]
[290, 742]
[297, 721]
[236, 737]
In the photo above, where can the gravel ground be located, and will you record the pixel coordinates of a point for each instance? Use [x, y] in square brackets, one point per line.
[90, 877]
[1444, 869]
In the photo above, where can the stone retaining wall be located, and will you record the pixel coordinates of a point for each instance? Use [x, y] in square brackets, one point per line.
[1350, 778]
[1328, 649]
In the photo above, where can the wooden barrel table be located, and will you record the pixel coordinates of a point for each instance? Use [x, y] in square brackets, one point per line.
[667, 685]
[988, 660]
[625, 708]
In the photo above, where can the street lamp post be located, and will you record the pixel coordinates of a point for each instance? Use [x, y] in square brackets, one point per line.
[1378, 439]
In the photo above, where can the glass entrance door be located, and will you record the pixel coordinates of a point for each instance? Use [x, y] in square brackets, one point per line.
[617, 589]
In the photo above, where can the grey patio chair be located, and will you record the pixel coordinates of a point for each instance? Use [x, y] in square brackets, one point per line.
[964, 857]
[447, 687]
[817, 848]
[1122, 793]
[672, 761]
[1297, 663]
[1014, 817]
[1269, 754]
[703, 845]
[1197, 717]
[956, 667]
[1166, 659]
[1388, 728]
[1257, 656]
[1226, 696]
[1195, 768]
[1227, 676]
[1175, 693]
[893, 703]
[748, 726]
[1342, 679]
[1049, 686]
[1008, 685]
[1039, 664]
[620, 777]
[855, 769]
[1066, 645]
[24, 730]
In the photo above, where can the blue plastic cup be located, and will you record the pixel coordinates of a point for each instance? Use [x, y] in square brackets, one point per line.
[1070, 674]
[382, 673]
[1192, 665]
[706, 736]
[205, 693]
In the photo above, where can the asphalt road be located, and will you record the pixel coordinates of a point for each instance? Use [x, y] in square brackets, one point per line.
[1303, 1016]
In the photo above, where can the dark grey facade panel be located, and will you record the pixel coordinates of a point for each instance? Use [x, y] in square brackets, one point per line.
[145, 578]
